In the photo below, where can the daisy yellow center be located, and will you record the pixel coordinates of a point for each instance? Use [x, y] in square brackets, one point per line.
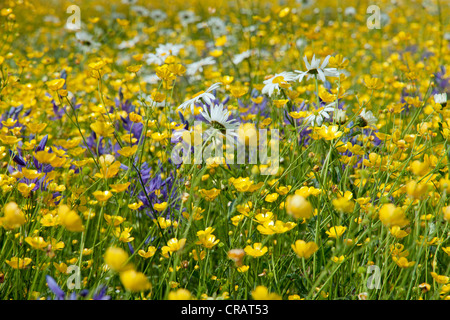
[279, 80]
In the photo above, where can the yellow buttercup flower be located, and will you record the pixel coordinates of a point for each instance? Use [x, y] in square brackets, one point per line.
[403, 262]
[124, 235]
[9, 122]
[295, 297]
[36, 242]
[256, 251]
[303, 249]
[206, 238]
[49, 220]
[264, 217]
[390, 215]
[328, 133]
[61, 267]
[116, 258]
[56, 84]
[210, 195]
[19, 263]
[298, 207]
[45, 157]
[135, 281]
[198, 255]
[147, 254]
[373, 83]
[343, 204]
[135, 205]
[109, 167]
[305, 192]
[36, 127]
[102, 196]
[102, 128]
[262, 293]
[134, 68]
[208, 241]
[440, 278]
[397, 232]
[13, 218]
[25, 189]
[128, 151]
[31, 174]
[243, 269]
[97, 65]
[173, 245]
[113, 220]
[69, 219]
[117, 188]
[271, 197]
[278, 226]
[180, 294]
[162, 222]
[160, 206]
[336, 232]
[9, 140]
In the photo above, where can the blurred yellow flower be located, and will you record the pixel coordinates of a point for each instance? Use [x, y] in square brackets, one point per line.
[262, 293]
[134, 281]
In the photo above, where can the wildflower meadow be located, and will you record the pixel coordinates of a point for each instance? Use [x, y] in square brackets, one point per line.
[226, 150]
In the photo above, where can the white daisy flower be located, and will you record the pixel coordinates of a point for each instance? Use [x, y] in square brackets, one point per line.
[152, 58]
[194, 67]
[340, 116]
[150, 78]
[219, 118]
[441, 99]
[162, 52]
[237, 59]
[366, 118]
[217, 26]
[169, 49]
[130, 43]
[86, 42]
[275, 81]
[319, 115]
[205, 96]
[52, 19]
[158, 15]
[220, 123]
[300, 43]
[142, 11]
[316, 70]
[186, 17]
[350, 11]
